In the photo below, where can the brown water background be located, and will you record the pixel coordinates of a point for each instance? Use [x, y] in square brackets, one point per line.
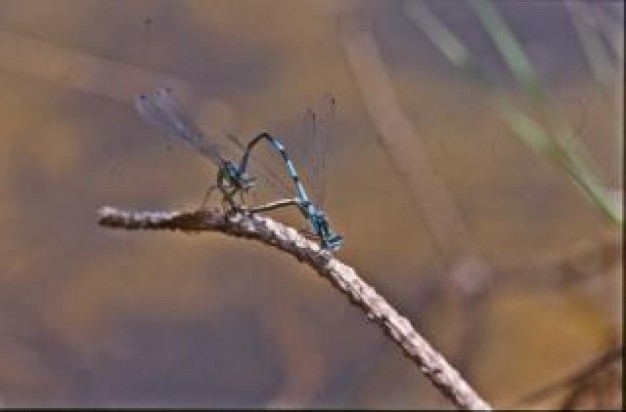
[94, 317]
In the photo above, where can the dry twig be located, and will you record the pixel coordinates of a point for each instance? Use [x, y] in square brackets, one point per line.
[287, 239]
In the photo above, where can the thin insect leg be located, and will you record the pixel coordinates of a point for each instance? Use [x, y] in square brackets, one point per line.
[241, 198]
[227, 207]
[228, 204]
[274, 205]
[229, 195]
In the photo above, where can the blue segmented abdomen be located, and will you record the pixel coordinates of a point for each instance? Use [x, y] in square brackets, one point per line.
[296, 179]
[290, 168]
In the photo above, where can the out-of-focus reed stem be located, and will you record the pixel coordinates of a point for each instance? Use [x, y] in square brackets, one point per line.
[556, 140]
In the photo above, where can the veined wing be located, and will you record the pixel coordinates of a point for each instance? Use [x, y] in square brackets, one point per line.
[162, 110]
[311, 147]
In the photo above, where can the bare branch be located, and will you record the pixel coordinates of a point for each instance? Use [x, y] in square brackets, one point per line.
[287, 239]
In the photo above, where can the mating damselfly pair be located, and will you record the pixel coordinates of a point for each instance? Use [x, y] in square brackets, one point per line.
[164, 111]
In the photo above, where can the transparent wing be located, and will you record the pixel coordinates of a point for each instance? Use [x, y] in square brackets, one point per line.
[162, 110]
[311, 147]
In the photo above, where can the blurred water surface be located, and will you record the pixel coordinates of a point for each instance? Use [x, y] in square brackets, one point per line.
[91, 317]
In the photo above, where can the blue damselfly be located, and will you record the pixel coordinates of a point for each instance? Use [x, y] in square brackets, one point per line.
[162, 110]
